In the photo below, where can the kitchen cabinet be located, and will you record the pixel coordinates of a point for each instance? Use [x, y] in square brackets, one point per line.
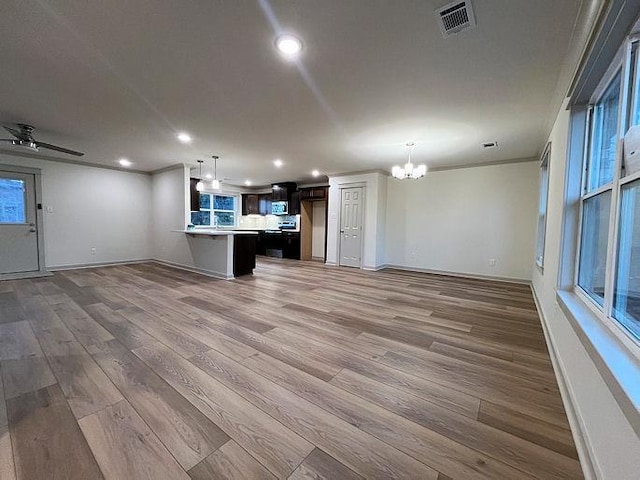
[279, 244]
[244, 254]
[194, 195]
[281, 192]
[294, 203]
[256, 204]
[264, 204]
[250, 204]
[313, 193]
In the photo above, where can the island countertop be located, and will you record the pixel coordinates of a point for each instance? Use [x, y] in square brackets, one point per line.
[209, 232]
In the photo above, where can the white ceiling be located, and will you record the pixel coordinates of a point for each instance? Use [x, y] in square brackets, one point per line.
[118, 79]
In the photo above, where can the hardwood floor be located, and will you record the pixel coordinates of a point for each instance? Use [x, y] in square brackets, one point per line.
[299, 371]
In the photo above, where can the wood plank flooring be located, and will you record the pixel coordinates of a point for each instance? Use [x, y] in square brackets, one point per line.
[299, 371]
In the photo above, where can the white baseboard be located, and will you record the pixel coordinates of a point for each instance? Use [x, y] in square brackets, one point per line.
[373, 268]
[77, 266]
[455, 274]
[189, 268]
[576, 423]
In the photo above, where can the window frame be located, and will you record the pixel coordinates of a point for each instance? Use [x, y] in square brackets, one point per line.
[629, 97]
[544, 183]
[213, 210]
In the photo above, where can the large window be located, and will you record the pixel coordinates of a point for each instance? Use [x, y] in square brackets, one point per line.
[215, 211]
[609, 255]
[542, 205]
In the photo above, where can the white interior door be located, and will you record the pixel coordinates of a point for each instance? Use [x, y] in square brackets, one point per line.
[351, 227]
[18, 226]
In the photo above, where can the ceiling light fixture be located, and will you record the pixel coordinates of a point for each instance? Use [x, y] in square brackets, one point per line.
[247, 183]
[315, 173]
[278, 163]
[215, 183]
[184, 137]
[200, 184]
[409, 170]
[288, 45]
[124, 162]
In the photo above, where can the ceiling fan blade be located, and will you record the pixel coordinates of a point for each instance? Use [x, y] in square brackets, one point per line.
[48, 146]
[12, 131]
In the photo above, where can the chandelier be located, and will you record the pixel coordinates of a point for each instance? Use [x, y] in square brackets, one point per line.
[409, 170]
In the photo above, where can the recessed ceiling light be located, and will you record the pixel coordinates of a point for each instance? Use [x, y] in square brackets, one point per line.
[124, 162]
[184, 137]
[278, 163]
[289, 45]
[209, 176]
[315, 173]
[247, 183]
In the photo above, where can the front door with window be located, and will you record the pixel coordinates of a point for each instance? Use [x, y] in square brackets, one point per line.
[18, 226]
[351, 227]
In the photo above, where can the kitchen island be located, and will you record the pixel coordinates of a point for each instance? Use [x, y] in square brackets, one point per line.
[222, 253]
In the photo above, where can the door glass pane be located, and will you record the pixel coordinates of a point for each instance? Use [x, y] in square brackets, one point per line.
[593, 246]
[604, 138]
[12, 202]
[626, 299]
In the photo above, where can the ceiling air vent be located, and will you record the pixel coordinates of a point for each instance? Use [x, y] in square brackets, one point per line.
[455, 18]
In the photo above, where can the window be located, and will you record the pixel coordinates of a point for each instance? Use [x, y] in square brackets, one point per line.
[626, 300]
[12, 201]
[542, 205]
[608, 266]
[216, 210]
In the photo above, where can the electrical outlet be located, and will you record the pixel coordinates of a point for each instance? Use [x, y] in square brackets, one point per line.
[49, 209]
[413, 255]
[492, 262]
[93, 250]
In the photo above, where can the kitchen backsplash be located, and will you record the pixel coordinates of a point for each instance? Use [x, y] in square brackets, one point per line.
[259, 222]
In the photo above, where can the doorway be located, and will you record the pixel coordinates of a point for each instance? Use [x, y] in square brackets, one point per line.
[351, 227]
[21, 245]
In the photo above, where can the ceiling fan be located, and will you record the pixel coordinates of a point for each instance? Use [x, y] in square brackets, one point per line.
[25, 139]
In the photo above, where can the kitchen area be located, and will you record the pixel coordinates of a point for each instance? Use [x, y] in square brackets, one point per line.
[284, 221]
[290, 221]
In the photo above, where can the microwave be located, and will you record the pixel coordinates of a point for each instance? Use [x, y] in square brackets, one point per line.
[279, 208]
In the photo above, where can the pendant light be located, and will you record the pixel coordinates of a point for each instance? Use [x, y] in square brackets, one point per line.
[200, 184]
[409, 170]
[215, 183]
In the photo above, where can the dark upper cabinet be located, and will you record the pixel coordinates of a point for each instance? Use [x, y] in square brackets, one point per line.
[256, 204]
[264, 204]
[194, 194]
[281, 192]
[313, 193]
[294, 203]
[250, 204]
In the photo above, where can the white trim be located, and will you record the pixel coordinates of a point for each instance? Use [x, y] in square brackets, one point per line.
[188, 268]
[363, 204]
[78, 266]
[475, 276]
[618, 366]
[576, 422]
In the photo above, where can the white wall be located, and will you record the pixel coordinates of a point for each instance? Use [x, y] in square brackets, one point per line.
[607, 434]
[374, 217]
[108, 210]
[170, 199]
[318, 229]
[457, 220]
